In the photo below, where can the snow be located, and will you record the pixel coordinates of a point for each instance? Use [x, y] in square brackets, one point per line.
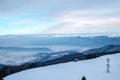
[93, 69]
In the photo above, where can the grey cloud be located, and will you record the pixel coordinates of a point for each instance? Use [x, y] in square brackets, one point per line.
[53, 7]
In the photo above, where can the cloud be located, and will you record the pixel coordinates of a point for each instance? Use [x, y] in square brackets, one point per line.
[53, 7]
[77, 22]
[59, 16]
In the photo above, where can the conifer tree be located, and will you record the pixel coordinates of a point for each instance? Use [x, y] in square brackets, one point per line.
[83, 78]
[0, 74]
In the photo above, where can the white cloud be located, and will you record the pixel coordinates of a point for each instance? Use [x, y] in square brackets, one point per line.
[76, 23]
[72, 16]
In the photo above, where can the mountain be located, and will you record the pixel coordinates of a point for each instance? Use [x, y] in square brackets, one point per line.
[29, 40]
[107, 49]
[61, 54]
[58, 57]
[93, 69]
[72, 55]
[18, 56]
[24, 49]
[63, 59]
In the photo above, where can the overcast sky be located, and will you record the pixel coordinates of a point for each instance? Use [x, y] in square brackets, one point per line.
[59, 16]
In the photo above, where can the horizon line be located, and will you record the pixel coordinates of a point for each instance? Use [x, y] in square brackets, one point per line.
[72, 34]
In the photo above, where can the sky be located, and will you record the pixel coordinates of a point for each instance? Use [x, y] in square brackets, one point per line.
[59, 16]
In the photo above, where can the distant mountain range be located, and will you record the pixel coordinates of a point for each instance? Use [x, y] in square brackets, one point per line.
[24, 49]
[65, 56]
[108, 48]
[24, 40]
[18, 55]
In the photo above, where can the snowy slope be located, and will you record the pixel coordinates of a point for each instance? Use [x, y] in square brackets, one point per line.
[94, 69]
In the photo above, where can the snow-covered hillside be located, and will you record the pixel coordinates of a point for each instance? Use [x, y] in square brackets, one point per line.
[94, 69]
